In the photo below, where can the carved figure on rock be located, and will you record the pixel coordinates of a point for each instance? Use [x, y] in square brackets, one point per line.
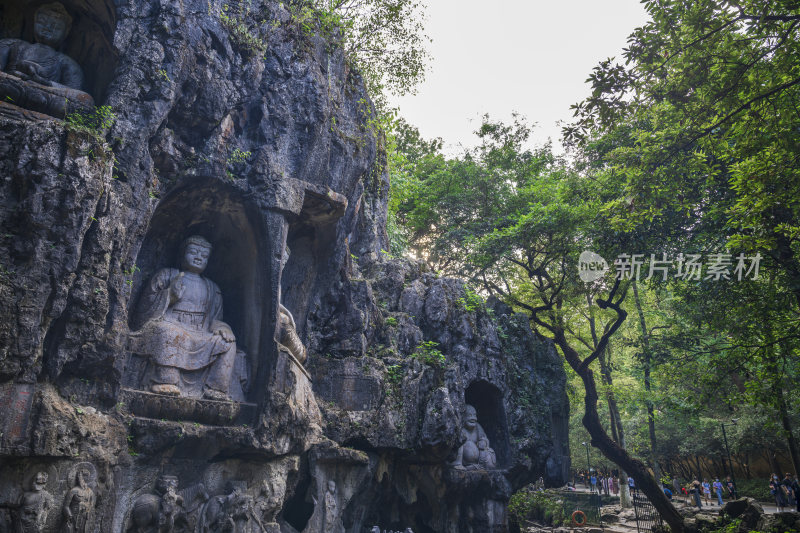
[287, 329]
[171, 504]
[56, 76]
[288, 335]
[78, 504]
[162, 512]
[34, 506]
[475, 453]
[486, 455]
[330, 510]
[269, 499]
[231, 513]
[192, 352]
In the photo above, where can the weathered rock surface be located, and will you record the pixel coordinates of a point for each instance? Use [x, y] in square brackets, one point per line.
[247, 128]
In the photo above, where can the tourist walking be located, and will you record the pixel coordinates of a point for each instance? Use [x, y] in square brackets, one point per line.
[695, 491]
[718, 491]
[731, 488]
[707, 491]
[796, 489]
[791, 495]
[776, 489]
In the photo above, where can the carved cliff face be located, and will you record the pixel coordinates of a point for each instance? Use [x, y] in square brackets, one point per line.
[254, 149]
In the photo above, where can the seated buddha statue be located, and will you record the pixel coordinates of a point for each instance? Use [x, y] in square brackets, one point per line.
[475, 453]
[190, 350]
[36, 75]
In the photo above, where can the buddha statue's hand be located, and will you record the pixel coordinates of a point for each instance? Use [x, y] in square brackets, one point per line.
[176, 288]
[223, 331]
[31, 71]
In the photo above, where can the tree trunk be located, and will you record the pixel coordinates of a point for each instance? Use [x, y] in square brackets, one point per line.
[700, 464]
[773, 461]
[686, 471]
[600, 439]
[787, 429]
[646, 362]
[617, 432]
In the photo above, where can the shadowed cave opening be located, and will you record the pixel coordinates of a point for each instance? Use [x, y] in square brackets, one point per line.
[488, 403]
[311, 241]
[298, 509]
[389, 510]
[89, 41]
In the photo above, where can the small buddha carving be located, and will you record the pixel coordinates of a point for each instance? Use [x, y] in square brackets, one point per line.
[191, 351]
[34, 506]
[37, 74]
[475, 453]
[79, 504]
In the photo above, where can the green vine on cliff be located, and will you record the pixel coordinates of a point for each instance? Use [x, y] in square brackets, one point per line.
[94, 122]
[384, 40]
[428, 353]
[242, 33]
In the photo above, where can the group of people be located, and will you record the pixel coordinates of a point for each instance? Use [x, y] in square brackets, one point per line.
[703, 489]
[786, 491]
[602, 482]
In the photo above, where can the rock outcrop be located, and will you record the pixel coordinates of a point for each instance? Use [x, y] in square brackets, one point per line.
[251, 129]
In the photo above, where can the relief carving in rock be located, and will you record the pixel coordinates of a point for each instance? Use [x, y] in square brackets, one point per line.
[191, 351]
[34, 505]
[36, 75]
[475, 453]
[78, 508]
[192, 510]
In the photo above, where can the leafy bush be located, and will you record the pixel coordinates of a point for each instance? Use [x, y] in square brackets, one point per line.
[428, 353]
[731, 526]
[471, 301]
[755, 488]
[95, 121]
[543, 506]
[242, 33]
[394, 374]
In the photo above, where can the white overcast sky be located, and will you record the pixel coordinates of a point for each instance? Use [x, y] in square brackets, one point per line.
[500, 56]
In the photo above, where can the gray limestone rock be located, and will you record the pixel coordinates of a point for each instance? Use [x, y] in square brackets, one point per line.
[352, 369]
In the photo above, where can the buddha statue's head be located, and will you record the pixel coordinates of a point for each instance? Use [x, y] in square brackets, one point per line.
[40, 481]
[470, 417]
[195, 252]
[82, 477]
[51, 24]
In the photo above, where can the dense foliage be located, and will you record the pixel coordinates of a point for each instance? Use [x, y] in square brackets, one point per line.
[543, 506]
[384, 39]
[690, 147]
[688, 150]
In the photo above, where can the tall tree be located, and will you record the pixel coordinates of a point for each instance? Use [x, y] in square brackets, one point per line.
[515, 221]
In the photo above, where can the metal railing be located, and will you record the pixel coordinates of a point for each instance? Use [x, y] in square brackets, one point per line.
[588, 503]
[647, 518]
